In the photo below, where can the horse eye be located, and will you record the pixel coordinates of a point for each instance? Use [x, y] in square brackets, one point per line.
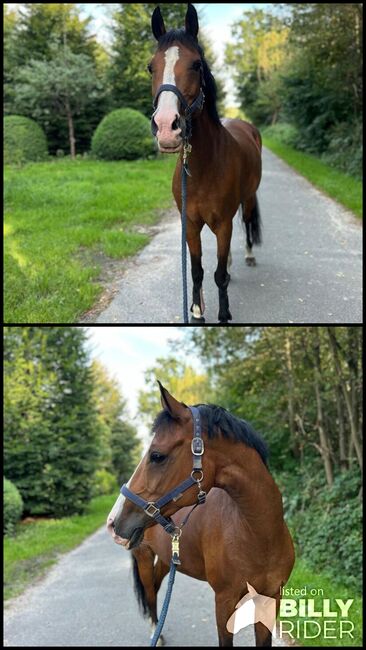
[196, 65]
[149, 67]
[155, 457]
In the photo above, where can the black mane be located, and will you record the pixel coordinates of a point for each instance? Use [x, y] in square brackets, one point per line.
[210, 90]
[218, 421]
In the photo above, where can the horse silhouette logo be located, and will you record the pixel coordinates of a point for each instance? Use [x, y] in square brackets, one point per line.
[253, 608]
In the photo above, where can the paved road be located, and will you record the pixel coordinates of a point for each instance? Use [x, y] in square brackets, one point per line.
[308, 267]
[87, 599]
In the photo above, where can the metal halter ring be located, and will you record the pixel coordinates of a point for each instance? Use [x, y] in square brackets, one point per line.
[198, 480]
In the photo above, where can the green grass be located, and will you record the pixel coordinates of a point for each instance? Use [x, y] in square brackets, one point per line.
[38, 545]
[303, 577]
[344, 189]
[58, 214]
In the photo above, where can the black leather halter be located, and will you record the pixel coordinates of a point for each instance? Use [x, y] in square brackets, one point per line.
[152, 508]
[197, 104]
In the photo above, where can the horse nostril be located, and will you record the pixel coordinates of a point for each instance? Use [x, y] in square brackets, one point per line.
[175, 124]
[154, 126]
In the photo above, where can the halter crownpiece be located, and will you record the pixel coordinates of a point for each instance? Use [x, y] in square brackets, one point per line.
[152, 508]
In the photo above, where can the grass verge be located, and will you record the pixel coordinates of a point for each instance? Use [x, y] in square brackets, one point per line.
[38, 545]
[341, 187]
[56, 209]
[326, 631]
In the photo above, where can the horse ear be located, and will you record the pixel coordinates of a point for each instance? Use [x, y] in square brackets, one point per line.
[157, 23]
[177, 410]
[191, 21]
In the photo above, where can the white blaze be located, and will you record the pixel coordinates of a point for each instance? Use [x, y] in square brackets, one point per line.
[169, 100]
[117, 508]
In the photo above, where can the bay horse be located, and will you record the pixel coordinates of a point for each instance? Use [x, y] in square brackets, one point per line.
[225, 159]
[237, 536]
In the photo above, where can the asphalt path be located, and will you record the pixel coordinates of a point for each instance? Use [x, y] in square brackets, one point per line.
[309, 266]
[87, 599]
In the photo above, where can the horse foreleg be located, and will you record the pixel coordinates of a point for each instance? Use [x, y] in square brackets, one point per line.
[222, 277]
[195, 249]
[263, 637]
[224, 609]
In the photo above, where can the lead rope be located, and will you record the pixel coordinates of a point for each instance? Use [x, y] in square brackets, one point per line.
[185, 171]
[173, 567]
[164, 609]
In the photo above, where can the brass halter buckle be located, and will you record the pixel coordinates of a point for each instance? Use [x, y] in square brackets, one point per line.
[187, 148]
[175, 546]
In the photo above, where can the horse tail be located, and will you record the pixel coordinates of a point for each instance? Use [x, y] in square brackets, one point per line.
[253, 224]
[139, 588]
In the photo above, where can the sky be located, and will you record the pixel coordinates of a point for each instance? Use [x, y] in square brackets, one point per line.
[127, 352]
[216, 20]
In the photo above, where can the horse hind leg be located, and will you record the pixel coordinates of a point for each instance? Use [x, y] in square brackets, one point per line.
[252, 220]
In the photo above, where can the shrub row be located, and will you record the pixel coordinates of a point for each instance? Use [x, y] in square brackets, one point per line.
[123, 134]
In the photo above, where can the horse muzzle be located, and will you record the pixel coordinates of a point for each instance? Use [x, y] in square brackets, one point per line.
[163, 148]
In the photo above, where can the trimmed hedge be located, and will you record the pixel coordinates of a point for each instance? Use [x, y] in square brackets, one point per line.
[24, 140]
[123, 134]
[13, 506]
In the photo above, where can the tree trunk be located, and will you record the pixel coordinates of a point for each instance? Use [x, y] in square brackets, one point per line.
[290, 400]
[344, 464]
[323, 436]
[346, 395]
[70, 123]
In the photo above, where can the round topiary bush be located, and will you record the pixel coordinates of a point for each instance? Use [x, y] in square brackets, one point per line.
[123, 134]
[24, 140]
[13, 506]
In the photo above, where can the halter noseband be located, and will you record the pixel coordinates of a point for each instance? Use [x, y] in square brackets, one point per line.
[152, 508]
[188, 109]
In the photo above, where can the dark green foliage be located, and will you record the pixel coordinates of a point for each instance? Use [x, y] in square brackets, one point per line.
[344, 147]
[51, 428]
[327, 528]
[124, 134]
[32, 33]
[282, 131]
[316, 81]
[13, 506]
[126, 449]
[24, 140]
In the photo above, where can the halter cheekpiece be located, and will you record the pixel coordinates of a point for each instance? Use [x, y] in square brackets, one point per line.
[152, 508]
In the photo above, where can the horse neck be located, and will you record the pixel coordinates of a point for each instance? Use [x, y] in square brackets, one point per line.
[240, 471]
[206, 141]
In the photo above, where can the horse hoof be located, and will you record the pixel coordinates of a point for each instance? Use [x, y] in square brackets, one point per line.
[197, 321]
[250, 261]
[225, 318]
